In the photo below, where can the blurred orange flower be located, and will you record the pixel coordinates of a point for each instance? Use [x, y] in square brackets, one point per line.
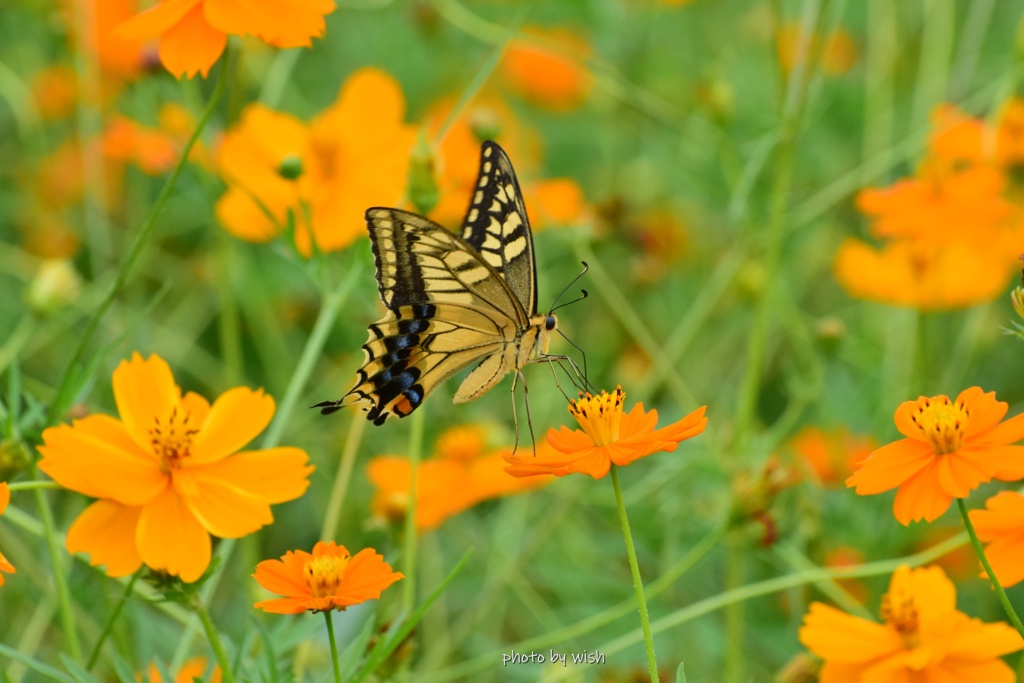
[547, 68]
[923, 637]
[951, 235]
[5, 498]
[836, 54]
[192, 669]
[459, 476]
[608, 436]
[549, 202]
[830, 456]
[322, 175]
[951, 448]
[1001, 526]
[329, 578]
[168, 474]
[55, 90]
[193, 33]
[119, 58]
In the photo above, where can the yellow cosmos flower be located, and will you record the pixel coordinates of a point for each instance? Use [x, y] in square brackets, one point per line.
[324, 174]
[923, 637]
[951, 448]
[5, 498]
[169, 473]
[329, 578]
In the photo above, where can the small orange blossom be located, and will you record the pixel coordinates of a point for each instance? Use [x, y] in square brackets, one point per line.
[461, 474]
[328, 578]
[540, 68]
[951, 448]
[192, 669]
[923, 637]
[168, 474]
[607, 436]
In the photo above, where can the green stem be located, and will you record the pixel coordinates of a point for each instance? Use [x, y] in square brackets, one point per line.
[310, 355]
[334, 646]
[634, 569]
[980, 552]
[111, 620]
[65, 608]
[141, 238]
[411, 530]
[734, 615]
[214, 639]
[332, 513]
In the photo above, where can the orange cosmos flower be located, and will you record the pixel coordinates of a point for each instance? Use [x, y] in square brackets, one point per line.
[830, 456]
[951, 448]
[1001, 525]
[459, 476]
[836, 55]
[923, 637]
[540, 69]
[328, 578]
[192, 669]
[168, 474]
[355, 154]
[608, 436]
[193, 33]
[5, 498]
[55, 90]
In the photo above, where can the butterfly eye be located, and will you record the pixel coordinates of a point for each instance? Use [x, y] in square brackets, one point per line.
[550, 323]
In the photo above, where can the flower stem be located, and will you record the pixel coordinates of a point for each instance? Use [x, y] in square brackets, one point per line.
[111, 620]
[141, 238]
[634, 568]
[334, 646]
[67, 617]
[411, 537]
[211, 635]
[980, 552]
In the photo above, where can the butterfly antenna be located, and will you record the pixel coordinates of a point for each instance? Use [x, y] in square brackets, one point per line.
[554, 306]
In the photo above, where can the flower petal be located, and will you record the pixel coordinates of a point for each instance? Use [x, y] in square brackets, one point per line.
[984, 409]
[1010, 431]
[273, 475]
[1007, 462]
[144, 390]
[192, 45]
[156, 20]
[278, 577]
[961, 472]
[976, 640]
[921, 497]
[5, 496]
[96, 457]
[106, 532]
[840, 637]
[284, 23]
[223, 509]
[890, 466]
[284, 605]
[366, 575]
[235, 419]
[169, 537]
[1006, 555]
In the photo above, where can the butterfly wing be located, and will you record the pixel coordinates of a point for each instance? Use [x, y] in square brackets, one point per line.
[496, 225]
[447, 307]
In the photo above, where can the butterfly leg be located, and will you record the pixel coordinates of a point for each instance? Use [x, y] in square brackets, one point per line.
[529, 418]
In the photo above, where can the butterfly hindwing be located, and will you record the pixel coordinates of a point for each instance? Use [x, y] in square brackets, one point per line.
[496, 225]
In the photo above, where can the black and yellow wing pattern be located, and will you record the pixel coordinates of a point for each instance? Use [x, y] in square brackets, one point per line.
[451, 300]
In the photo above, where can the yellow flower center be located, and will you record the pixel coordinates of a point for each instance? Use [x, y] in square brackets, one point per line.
[324, 574]
[900, 613]
[943, 423]
[172, 439]
[599, 415]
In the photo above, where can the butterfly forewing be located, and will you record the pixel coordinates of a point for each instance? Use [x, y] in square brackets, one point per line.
[496, 225]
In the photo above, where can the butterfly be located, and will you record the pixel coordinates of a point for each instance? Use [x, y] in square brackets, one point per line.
[452, 300]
